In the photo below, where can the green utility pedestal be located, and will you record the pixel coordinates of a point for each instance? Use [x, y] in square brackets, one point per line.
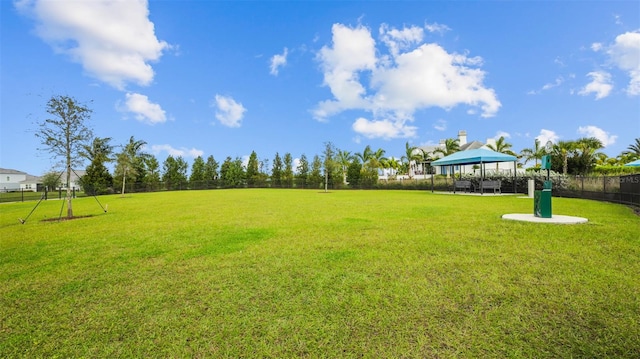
[542, 201]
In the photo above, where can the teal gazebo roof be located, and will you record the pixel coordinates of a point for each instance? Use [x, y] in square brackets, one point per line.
[480, 155]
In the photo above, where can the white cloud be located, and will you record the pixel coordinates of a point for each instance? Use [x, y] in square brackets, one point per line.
[114, 41]
[397, 40]
[176, 152]
[144, 110]
[602, 135]
[416, 76]
[387, 129]
[435, 27]
[430, 77]
[440, 125]
[559, 80]
[228, 111]
[625, 54]
[617, 19]
[296, 164]
[600, 85]
[596, 46]
[546, 136]
[353, 51]
[502, 134]
[278, 61]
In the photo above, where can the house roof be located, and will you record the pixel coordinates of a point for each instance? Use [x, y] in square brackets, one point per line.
[474, 145]
[32, 179]
[7, 171]
[480, 155]
[635, 163]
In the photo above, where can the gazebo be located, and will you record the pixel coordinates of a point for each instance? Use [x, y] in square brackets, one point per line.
[635, 163]
[479, 156]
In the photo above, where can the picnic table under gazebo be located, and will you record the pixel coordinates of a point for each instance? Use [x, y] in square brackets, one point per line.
[479, 156]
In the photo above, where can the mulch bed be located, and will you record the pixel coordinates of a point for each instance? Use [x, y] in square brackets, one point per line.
[65, 218]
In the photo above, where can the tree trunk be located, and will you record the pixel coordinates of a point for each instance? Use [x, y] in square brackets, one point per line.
[326, 181]
[124, 180]
[69, 206]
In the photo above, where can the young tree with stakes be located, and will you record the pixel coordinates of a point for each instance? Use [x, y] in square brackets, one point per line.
[65, 134]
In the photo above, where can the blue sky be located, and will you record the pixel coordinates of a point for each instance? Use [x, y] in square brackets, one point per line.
[226, 78]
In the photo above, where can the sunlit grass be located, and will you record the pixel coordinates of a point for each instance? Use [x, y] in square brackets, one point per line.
[291, 273]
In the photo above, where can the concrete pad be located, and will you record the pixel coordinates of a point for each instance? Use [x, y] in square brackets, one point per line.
[555, 218]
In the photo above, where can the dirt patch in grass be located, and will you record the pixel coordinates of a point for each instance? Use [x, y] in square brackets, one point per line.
[66, 218]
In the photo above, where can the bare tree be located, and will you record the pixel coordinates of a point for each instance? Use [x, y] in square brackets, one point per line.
[65, 134]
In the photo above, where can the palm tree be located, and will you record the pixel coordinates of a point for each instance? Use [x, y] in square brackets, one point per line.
[633, 150]
[501, 146]
[378, 160]
[344, 158]
[587, 148]
[425, 158]
[392, 163]
[371, 158]
[451, 145]
[534, 153]
[127, 158]
[365, 155]
[563, 149]
[412, 154]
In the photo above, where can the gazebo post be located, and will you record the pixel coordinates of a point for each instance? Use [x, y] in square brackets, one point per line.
[515, 177]
[453, 176]
[481, 177]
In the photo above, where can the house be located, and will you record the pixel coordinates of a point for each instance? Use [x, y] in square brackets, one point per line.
[74, 180]
[14, 180]
[497, 168]
[31, 183]
[11, 180]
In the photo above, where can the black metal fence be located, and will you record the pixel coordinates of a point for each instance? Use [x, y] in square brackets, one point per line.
[623, 189]
[23, 195]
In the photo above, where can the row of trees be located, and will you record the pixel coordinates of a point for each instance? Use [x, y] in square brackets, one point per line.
[142, 170]
[581, 156]
[67, 137]
[333, 167]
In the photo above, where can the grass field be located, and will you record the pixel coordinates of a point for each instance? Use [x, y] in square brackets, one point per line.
[301, 273]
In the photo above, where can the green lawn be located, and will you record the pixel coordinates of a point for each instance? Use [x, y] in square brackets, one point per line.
[301, 273]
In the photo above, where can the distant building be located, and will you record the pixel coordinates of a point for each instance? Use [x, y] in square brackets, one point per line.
[14, 180]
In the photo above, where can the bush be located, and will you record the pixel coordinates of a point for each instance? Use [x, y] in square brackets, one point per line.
[609, 170]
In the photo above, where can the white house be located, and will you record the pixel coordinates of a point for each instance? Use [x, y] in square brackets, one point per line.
[31, 183]
[10, 180]
[74, 180]
[14, 180]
